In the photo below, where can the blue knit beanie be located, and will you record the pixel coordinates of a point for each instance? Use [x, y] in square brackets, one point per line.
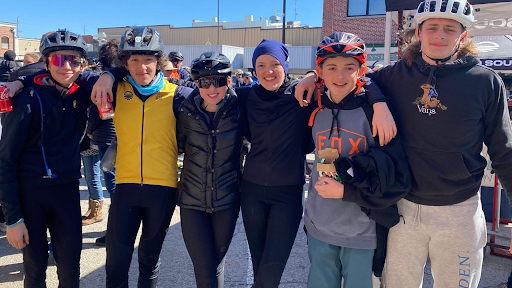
[272, 48]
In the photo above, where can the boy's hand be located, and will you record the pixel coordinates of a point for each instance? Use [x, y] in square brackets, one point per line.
[18, 236]
[306, 83]
[329, 188]
[101, 90]
[383, 123]
[13, 87]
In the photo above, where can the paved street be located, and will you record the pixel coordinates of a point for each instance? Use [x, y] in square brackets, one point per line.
[176, 269]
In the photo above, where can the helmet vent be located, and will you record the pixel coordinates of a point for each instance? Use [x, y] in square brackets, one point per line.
[444, 3]
[455, 7]
[467, 9]
[432, 7]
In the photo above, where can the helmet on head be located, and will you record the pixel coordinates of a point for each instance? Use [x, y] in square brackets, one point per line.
[341, 44]
[62, 40]
[141, 40]
[458, 10]
[239, 71]
[175, 56]
[210, 64]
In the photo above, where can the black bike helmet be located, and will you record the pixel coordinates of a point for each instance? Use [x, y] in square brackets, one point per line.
[141, 40]
[175, 56]
[62, 40]
[210, 64]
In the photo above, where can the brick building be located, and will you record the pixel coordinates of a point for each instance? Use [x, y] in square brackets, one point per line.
[6, 37]
[365, 18]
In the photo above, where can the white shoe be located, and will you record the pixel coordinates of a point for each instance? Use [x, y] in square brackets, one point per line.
[3, 227]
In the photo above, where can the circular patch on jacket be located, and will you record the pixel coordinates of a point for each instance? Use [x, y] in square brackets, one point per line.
[128, 95]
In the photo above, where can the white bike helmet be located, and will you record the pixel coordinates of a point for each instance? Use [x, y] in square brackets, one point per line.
[458, 10]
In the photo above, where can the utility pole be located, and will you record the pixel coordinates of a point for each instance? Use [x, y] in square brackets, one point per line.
[84, 30]
[295, 10]
[17, 26]
[218, 22]
[284, 21]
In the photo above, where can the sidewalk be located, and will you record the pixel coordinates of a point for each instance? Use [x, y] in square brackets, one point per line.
[176, 268]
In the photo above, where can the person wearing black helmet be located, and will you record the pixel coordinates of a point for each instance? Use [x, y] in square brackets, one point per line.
[146, 181]
[176, 59]
[209, 190]
[40, 162]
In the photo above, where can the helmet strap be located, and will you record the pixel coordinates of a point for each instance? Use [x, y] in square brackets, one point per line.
[440, 61]
[64, 88]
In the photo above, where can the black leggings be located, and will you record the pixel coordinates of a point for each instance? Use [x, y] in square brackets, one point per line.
[207, 237]
[56, 208]
[133, 203]
[271, 216]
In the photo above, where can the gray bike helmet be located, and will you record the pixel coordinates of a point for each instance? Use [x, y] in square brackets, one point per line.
[175, 56]
[141, 40]
[62, 40]
[210, 64]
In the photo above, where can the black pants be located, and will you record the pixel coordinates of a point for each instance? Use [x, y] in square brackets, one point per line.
[132, 204]
[271, 216]
[207, 237]
[56, 208]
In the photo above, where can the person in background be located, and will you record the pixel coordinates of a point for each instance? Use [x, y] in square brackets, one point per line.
[103, 131]
[238, 81]
[177, 61]
[169, 71]
[8, 65]
[247, 78]
[30, 58]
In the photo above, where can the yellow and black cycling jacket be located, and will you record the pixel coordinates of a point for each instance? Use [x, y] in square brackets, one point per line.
[146, 134]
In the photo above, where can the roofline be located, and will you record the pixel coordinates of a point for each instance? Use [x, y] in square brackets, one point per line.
[8, 24]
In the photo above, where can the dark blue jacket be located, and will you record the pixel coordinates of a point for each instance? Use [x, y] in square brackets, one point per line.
[21, 156]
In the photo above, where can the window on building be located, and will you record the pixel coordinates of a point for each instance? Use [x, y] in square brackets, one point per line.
[5, 43]
[366, 7]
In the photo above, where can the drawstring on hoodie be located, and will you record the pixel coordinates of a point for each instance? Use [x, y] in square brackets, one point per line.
[432, 74]
[334, 120]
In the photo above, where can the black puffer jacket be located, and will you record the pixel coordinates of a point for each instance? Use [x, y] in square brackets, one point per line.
[210, 180]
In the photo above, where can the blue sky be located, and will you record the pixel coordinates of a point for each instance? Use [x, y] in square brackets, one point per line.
[36, 17]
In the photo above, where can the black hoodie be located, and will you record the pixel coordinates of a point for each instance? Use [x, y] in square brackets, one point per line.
[444, 114]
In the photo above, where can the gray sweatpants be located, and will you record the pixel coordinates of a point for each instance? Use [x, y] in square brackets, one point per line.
[452, 236]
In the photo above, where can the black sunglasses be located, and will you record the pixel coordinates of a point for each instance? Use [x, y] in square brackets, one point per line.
[204, 83]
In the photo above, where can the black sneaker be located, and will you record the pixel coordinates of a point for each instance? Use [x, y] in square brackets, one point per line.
[101, 241]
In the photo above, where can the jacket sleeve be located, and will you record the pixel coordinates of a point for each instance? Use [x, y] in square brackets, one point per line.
[93, 119]
[373, 92]
[381, 176]
[498, 135]
[14, 134]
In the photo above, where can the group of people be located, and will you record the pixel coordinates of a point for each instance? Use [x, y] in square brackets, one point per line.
[398, 198]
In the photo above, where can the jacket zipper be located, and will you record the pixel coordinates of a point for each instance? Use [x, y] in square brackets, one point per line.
[141, 144]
